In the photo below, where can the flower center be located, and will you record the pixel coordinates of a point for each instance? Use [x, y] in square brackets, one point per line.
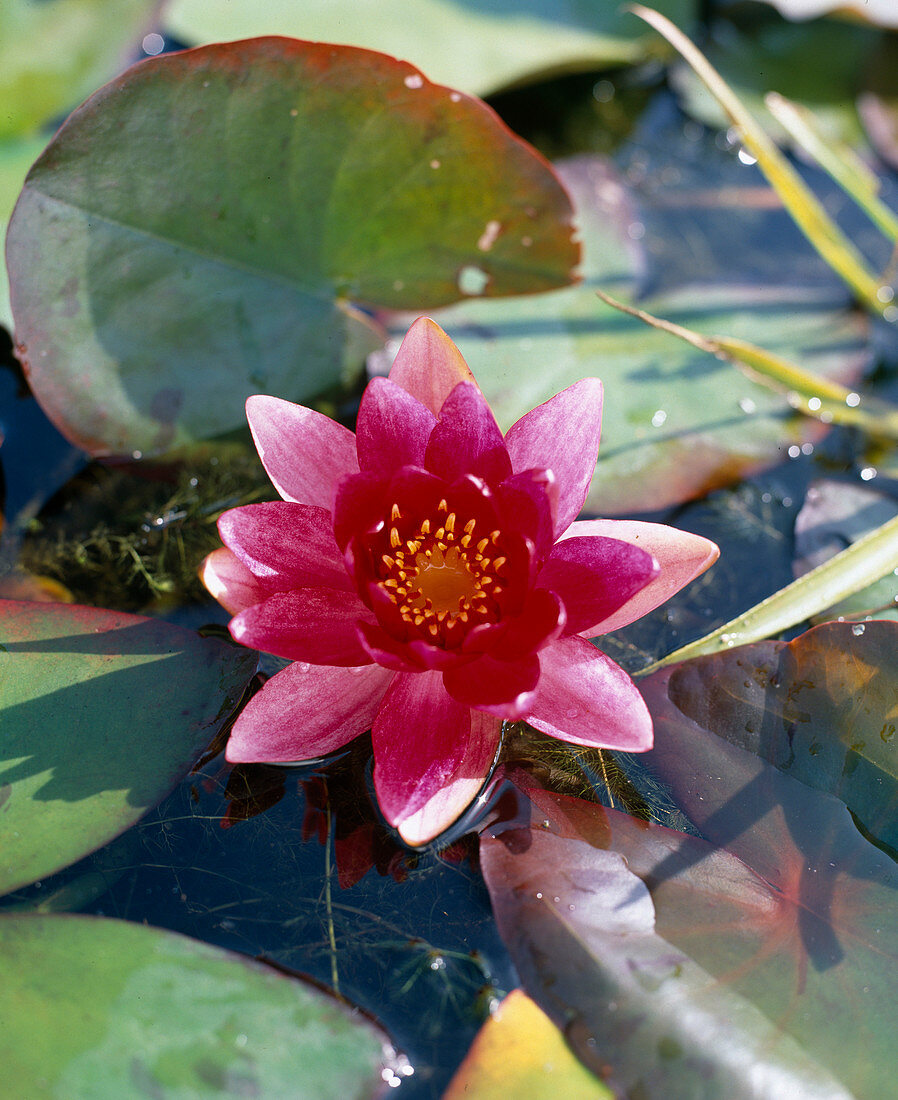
[445, 578]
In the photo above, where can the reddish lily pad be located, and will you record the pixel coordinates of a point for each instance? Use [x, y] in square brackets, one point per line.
[100, 713]
[478, 46]
[637, 939]
[157, 281]
[677, 422]
[823, 709]
[95, 1007]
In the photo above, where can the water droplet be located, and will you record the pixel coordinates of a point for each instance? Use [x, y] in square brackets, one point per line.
[890, 314]
[885, 294]
[438, 963]
[526, 241]
[794, 451]
[434, 164]
[304, 666]
[293, 112]
[853, 400]
[635, 231]
[572, 712]
[556, 899]
[746, 158]
[414, 80]
[747, 406]
[857, 629]
[807, 448]
[658, 418]
[539, 895]
[868, 473]
[489, 235]
[455, 97]
[154, 44]
[472, 280]
[603, 91]
[814, 404]
[241, 1040]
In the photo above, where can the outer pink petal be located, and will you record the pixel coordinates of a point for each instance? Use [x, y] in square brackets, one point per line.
[291, 543]
[428, 365]
[681, 555]
[230, 582]
[392, 429]
[305, 712]
[594, 577]
[309, 624]
[304, 452]
[467, 439]
[562, 435]
[431, 755]
[585, 698]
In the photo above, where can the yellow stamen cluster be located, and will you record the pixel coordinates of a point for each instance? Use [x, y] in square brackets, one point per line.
[444, 578]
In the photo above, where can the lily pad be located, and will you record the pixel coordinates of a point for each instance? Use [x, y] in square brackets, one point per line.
[823, 709]
[679, 970]
[677, 422]
[53, 53]
[100, 714]
[102, 1008]
[16, 157]
[159, 279]
[479, 46]
[836, 514]
[880, 12]
[519, 1052]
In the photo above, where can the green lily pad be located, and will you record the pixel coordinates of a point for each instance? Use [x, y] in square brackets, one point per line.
[16, 157]
[476, 45]
[53, 53]
[100, 714]
[677, 422]
[96, 1008]
[195, 230]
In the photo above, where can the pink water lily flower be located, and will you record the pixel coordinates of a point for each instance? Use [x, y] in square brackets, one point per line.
[428, 578]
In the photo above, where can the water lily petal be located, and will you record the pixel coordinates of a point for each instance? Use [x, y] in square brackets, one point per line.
[467, 439]
[307, 711]
[231, 583]
[392, 429]
[681, 556]
[541, 621]
[293, 543]
[304, 452]
[428, 365]
[585, 698]
[503, 688]
[528, 502]
[595, 576]
[428, 749]
[309, 624]
[562, 435]
[386, 650]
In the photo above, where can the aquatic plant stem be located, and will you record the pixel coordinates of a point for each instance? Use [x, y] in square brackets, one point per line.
[862, 563]
[804, 207]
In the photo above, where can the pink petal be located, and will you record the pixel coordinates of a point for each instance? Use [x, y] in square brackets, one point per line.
[428, 365]
[291, 543]
[504, 688]
[562, 435]
[594, 577]
[430, 753]
[527, 502]
[392, 429]
[359, 503]
[585, 698]
[305, 712]
[541, 621]
[681, 555]
[230, 582]
[386, 651]
[309, 624]
[467, 440]
[304, 452]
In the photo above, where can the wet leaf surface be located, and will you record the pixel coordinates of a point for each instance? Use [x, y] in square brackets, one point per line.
[127, 1010]
[100, 713]
[677, 422]
[145, 323]
[476, 46]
